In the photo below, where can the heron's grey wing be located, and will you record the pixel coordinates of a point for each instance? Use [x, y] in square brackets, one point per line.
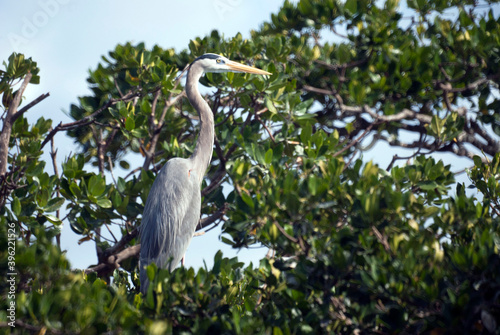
[170, 216]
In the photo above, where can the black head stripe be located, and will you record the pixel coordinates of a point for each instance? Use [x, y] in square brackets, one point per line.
[205, 56]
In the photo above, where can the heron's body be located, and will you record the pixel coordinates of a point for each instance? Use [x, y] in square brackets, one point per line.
[172, 209]
[179, 211]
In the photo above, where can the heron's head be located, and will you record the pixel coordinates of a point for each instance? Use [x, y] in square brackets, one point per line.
[217, 63]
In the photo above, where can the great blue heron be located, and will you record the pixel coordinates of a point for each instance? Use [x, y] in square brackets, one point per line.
[173, 206]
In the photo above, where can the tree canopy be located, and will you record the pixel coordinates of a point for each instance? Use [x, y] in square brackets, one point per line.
[354, 247]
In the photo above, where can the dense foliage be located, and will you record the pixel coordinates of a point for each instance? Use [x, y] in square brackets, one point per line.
[356, 248]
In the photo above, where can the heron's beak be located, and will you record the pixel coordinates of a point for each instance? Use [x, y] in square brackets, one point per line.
[244, 68]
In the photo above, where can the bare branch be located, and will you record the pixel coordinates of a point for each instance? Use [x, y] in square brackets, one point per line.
[367, 130]
[283, 231]
[265, 127]
[318, 90]
[31, 104]
[469, 87]
[381, 238]
[113, 261]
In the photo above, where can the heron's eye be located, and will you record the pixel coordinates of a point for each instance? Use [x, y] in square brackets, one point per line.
[219, 60]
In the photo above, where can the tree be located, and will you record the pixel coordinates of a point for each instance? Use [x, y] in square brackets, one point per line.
[356, 248]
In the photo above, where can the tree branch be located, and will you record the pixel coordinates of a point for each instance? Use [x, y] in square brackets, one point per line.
[10, 118]
[367, 130]
[113, 262]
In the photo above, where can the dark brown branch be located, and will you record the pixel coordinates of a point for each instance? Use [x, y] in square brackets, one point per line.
[282, 230]
[31, 104]
[113, 262]
[265, 127]
[367, 130]
[318, 90]
[469, 87]
[153, 110]
[493, 145]
[122, 243]
[381, 238]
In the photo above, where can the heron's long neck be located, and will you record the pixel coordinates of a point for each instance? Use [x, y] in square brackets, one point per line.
[204, 145]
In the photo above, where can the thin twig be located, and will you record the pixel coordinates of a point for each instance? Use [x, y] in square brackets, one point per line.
[111, 232]
[110, 163]
[265, 127]
[282, 230]
[354, 141]
[381, 238]
[33, 103]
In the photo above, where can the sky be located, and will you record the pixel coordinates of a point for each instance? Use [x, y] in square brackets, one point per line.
[68, 37]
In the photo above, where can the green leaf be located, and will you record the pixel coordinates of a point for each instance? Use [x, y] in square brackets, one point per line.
[277, 331]
[130, 124]
[75, 189]
[268, 158]
[428, 186]
[53, 219]
[248, 200]
[270, 106]
[305, 134]
[120, 184]
[54, 204]
[437, 126]
[150, 271]
[124, 165]
[116, 199]
[139, 133]
[104, 202]
[305, 7]
[313, 184]
[351, 6]
[477, 161]
[16, 206]
[96, 185]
